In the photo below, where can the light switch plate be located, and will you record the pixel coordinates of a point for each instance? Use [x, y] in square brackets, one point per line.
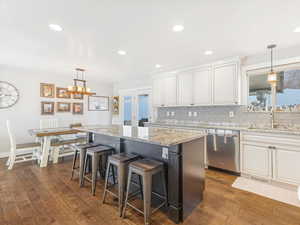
[172, 113]
[231, 114]
[165, 153]
[195, 114]
[190, 114]
[168, 113]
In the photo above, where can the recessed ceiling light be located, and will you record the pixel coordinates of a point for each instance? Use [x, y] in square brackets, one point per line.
[178, 28]
[55, 27]
[158, 66]
[121, 52]
[208, 52]
[297, 30]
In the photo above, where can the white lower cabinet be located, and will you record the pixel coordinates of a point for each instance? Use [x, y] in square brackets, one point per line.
[287, 166]
[271, 156]
[257, 161]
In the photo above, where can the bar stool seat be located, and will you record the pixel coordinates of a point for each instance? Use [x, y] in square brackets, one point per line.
[146, 165]
[95, 154]
[146, 168]
[121, 162]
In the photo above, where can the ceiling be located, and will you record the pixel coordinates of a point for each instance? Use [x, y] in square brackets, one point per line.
[94, 30]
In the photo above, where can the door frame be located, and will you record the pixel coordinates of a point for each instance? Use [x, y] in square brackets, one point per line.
[134, 93]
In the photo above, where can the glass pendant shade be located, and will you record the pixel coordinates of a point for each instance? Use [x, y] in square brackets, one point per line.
[272, 77]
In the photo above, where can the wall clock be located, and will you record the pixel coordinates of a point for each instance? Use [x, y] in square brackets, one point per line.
[9, 95]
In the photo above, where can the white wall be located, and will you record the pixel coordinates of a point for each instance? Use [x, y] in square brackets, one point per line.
[26, 113]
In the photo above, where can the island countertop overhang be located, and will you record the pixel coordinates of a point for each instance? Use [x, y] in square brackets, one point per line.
[153, 135]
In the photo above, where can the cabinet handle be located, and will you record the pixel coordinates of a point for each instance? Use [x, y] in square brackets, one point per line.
[271, 147]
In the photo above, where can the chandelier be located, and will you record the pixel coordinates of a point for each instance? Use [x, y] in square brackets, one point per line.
[79, 85]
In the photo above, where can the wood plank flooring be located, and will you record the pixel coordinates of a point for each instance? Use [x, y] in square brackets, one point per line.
[30, 195]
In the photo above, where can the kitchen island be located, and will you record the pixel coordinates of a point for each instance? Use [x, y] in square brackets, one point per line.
[181, 151]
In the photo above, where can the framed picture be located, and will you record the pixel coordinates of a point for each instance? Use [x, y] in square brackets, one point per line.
[115, 105]
[47, 108]
[63, 107]
[47, 90]
[77, 96]
[77, 108]
[98, 103]
[62, 93]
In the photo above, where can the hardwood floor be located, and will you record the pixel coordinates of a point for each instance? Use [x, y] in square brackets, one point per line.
[30, 195]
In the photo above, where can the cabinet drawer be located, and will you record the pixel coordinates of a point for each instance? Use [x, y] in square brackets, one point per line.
[271, 139]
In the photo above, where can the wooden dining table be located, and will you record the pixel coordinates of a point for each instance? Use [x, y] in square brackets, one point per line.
[46, 135]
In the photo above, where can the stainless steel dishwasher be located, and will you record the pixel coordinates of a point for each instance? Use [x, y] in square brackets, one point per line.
[223, 149]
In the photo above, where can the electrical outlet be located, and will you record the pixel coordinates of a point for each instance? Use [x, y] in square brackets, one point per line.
[231, 114]
[195, 114]
[190, 114]
[165, 154]
[168, 113]
[172, 113]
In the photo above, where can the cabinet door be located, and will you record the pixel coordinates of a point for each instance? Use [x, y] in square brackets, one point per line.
[169, 91]
[158, 96]
[202, 87]
[287, 166]
[185, 88]
[225, 84]
[256, 161]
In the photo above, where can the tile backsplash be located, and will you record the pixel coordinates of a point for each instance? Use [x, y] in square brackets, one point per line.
[225, 114]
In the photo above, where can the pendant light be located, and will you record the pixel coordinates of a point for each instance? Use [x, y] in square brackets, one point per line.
[272, 76]
[79, 85]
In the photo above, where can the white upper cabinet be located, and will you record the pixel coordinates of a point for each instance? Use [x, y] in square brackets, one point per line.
[164, 91]
[225, 84]
[170, 91]
[185, 88]
[214, 84]
[157, 88]
[202, 87]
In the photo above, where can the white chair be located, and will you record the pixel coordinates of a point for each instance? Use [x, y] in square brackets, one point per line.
[20, 152]
[48, 123]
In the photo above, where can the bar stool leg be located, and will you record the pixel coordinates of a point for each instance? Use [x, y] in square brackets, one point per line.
[74, 163]
[164, 186]
[95, 164]
[85, 166]
[81, 166]
[147, 186]
[141, 186]
[106, 181]
[121, 186]
[127, 192]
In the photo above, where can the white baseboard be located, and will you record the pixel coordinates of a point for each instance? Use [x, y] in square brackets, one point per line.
[4, 155]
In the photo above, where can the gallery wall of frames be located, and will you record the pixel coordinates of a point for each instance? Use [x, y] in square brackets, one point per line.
[59, 100]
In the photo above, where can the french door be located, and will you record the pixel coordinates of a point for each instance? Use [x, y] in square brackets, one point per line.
[136, 107]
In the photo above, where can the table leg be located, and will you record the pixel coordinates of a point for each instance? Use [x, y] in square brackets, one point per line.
[55, 155]
[45, 151]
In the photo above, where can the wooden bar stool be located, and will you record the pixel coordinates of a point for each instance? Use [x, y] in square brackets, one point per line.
[81, 151]
[95, 154]
[146, 168]
[121, 162]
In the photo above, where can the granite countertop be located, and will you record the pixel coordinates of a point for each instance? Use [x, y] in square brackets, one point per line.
[153, 135]
[280, 130]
